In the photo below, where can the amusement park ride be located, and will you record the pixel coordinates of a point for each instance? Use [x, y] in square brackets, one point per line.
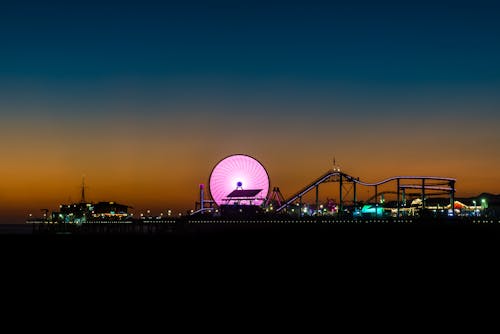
[240, 182]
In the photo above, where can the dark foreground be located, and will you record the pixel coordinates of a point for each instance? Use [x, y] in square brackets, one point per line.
[360, 251]
[350, 233]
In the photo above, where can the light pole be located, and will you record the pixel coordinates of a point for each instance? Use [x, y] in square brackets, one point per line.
[484, 206]
[475, 212]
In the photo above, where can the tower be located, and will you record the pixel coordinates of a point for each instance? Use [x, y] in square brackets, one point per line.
[82, 199]
[336, 168]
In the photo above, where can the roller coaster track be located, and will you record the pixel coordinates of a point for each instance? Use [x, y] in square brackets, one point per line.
[332, 173]
[414, 194]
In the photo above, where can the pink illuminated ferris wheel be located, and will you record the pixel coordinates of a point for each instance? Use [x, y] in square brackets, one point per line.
[240, 176]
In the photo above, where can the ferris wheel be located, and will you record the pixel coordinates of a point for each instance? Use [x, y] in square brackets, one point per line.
[239, 177]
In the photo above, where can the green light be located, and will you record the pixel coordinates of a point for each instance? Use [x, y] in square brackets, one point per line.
[372, 210]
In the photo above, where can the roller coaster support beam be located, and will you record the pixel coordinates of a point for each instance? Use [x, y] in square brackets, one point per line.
[452, 197]
[355, 199]
[317, 200]
[376, 194]
[397, 200]
[423, 195]
[341, 204]
[300, 206]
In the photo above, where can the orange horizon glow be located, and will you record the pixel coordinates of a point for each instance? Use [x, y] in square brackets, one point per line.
[169, 179]
[158, 162]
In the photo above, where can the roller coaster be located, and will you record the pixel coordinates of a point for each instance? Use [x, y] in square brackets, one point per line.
[426, 184]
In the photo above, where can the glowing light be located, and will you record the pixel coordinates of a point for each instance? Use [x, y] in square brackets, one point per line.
[236, 171]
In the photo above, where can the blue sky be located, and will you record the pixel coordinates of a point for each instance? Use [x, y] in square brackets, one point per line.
[387, 43]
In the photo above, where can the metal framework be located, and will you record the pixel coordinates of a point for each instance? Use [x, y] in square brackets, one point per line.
[276, 197]
[425, 183]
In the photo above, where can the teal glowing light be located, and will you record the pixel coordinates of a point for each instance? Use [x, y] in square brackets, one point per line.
[372, 210]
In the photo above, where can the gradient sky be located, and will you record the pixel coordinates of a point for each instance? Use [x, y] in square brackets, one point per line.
[144, 97]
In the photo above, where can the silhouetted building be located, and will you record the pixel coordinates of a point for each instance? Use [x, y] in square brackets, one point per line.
[81, 212]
